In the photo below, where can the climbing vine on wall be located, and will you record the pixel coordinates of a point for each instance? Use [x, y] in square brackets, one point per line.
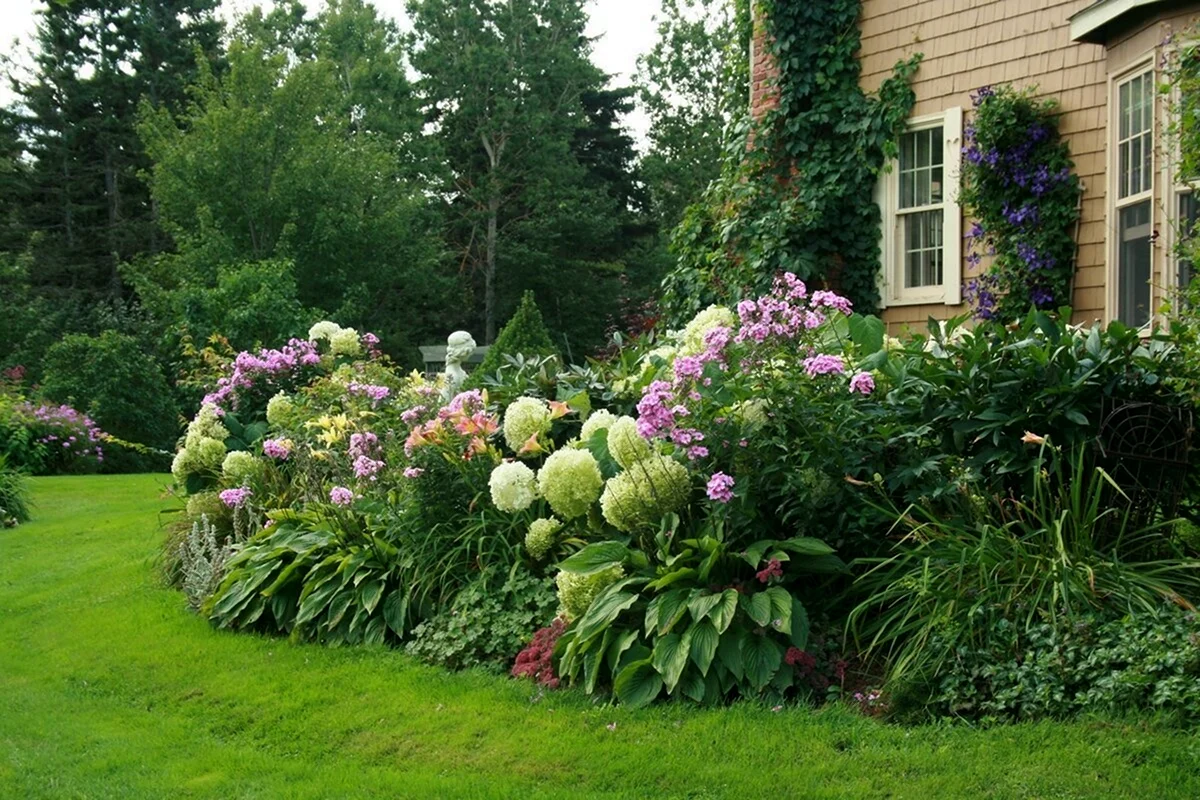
[1018, 186]
[797, 189]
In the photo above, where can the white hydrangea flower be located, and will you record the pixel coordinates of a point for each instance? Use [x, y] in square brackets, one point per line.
[691, 339]
[240, 467]
[513, 486]
[625, 444]
[524, 418]
[570, 480]
[598, 421]
[345, 343]
[323, 330]
[279, 409]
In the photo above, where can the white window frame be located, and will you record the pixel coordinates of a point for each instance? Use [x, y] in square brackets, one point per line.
[1115, 203]
[1178, 188]
[891, 274]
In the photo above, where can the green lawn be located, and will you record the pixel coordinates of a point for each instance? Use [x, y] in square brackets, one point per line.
[109, 687]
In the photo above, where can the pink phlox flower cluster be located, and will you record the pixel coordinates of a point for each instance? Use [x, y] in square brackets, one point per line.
[276, 448]
[720, 487]
[862, 383]
[465, 402]
[72, 429]
[376, 393]
[341, 496]
[233, 498]
[412, 415]
[824, 365]
[371, 343]
[655, 415]
[413, 472]
[686, 436]
[832, 300]
[362, 450]
[697, 451]
[427, 391]
[268, 365]
[773, 569]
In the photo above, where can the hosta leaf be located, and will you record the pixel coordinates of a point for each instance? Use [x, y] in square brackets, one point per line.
[704, 638]
[671, 608]
[604, 610]
[672, 577]
[729, 652]
[591, 662]
[724, 612]
[692, 685]
[761, 657]
[800, 625]
[594, 558]
[395, 609]
[781, 609]
[620, 644]
[758, 607]
[370, 592]
[702, 604]
[669, 658]
[754, 553]
[805, 546]
[338, 606]
[638, 684]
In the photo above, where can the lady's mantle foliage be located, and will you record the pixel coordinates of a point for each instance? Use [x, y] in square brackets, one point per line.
[1018, 185]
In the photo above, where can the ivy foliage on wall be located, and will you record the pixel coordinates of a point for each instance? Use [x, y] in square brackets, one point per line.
[796, 191]
[1018, 185]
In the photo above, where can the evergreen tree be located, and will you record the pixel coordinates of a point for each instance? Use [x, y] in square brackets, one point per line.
[524, 334]
[504, 86]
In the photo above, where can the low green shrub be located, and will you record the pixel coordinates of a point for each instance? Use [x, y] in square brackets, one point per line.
[524, 334]
[14, 495]
[488, 622]
[1146, 661]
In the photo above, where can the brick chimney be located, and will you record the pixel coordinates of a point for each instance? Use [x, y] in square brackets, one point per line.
[764, 94]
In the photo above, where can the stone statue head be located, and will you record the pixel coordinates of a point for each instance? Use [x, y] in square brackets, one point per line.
[459, 346]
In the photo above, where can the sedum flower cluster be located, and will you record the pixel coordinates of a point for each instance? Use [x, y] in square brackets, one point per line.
[541, 537]
[570, 480]
[513, 486]
[576, 592]
[639, 497]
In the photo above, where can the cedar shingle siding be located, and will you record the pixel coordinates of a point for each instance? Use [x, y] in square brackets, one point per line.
[972, 43]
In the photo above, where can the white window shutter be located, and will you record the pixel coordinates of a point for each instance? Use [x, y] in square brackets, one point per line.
[952, 219]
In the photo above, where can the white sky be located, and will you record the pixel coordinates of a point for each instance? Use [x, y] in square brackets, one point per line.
[625, 27]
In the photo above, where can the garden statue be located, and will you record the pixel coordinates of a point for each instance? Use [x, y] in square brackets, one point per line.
[459, 346]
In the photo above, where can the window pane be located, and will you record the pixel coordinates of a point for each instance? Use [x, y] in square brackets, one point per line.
[923, 148]
[922, 181]
[1189, 212]
[922, 248]
[1133, 265]
[908, 144]
[1135, 166]
[935, 185]
[1123, 111]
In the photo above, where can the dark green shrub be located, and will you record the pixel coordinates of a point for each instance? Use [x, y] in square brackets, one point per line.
[14, 495]
[111, 379]
[1148, 661]
[524, 334]
[488, 622]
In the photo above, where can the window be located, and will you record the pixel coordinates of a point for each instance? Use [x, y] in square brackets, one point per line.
[921, 237]
[1133, 174]
[1186, 209]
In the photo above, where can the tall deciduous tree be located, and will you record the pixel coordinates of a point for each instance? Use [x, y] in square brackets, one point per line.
[693, 83]
[301, 153]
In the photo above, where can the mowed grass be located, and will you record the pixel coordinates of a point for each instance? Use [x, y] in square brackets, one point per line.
[109, 687]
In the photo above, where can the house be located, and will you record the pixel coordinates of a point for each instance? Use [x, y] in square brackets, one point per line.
[1102, 61]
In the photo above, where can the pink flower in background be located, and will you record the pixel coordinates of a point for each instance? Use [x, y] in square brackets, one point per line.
[376, 393]
[862, 383]
[341, 496]
[720, 487]
[412, 415]
[277, 448]
[824, 365]
[832, 300]
[413, 472]
[235, 498]
[774, 569]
